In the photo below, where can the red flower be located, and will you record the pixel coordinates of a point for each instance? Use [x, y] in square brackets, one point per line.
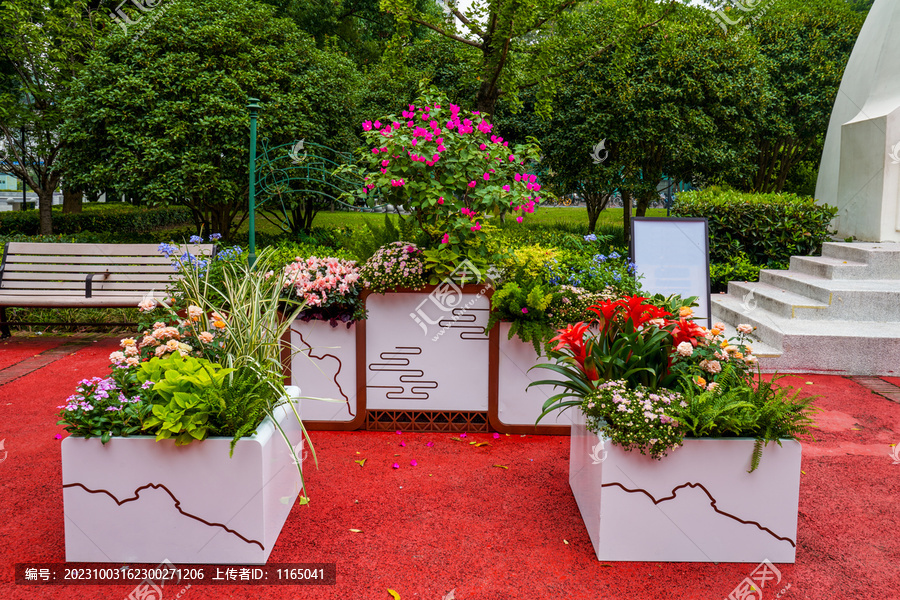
[572, 339]
[686, 330]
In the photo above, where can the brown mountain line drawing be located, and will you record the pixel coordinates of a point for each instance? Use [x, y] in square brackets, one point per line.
[338, 372]
[137, 494]
[712, 503]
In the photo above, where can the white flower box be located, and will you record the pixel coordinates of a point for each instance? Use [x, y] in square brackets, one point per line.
[518, 407]
[324, 360]
[136, 500]
[697, 504]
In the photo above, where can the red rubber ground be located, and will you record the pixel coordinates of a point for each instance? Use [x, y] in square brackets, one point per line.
[456, 521]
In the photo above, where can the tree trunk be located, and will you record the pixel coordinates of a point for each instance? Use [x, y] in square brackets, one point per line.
[626, 216]
[595, 204]
[72, 199]
[45, 202]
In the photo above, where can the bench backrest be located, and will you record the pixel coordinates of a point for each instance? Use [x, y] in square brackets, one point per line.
[30, 268]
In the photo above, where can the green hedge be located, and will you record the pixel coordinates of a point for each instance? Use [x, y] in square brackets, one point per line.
[114, 218]
[766, 227]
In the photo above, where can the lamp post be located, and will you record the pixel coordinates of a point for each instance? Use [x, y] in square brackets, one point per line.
[24, 185]
[253, 107]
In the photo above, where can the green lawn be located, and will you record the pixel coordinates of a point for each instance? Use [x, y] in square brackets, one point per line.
[546, 215]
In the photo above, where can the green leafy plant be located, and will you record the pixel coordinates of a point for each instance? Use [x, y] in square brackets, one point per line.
[766, 227]
[184, 390]
[733, 408]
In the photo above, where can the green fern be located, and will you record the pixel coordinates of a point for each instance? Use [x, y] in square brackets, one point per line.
[763, 411]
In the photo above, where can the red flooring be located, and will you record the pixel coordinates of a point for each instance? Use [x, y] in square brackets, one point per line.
[14, 350]
[457, 521]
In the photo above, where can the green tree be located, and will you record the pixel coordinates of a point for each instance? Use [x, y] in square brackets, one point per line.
[163, 115]
[680, 103]
[521, 45]
[807, 45]
[43, 46]
[357, 28]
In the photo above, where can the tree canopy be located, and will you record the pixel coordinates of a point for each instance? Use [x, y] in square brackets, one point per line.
[164, 116]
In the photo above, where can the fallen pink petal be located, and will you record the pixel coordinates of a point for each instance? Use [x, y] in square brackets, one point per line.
[396, 465]
[413, 463]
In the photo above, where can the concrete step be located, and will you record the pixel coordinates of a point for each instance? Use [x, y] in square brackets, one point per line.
[774, 299]
[882, 259]
[733, 311]
[845, 299]
[808, 346]
[829, 268]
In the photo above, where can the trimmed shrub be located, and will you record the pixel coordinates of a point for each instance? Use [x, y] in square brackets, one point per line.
[765, 227]
[118, 218]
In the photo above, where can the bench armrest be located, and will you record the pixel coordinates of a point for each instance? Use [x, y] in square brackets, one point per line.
[88, 281]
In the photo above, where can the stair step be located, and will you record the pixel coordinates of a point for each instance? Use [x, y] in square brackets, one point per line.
[732, 311]
[773, 299]
[882, 259]
[827, 267]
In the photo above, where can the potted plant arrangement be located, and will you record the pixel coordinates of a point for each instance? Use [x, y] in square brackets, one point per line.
[180, 453]
[450, 171]
[668, 432]
[325, 334]
[540, 288]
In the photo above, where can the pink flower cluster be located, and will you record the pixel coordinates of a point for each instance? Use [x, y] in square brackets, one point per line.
[318, 280]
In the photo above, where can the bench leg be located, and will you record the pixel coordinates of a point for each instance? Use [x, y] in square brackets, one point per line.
[4, 326]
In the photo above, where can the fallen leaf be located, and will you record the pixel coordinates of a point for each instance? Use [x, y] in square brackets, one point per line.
[302, 500]
[803, 472]
[394, 594]
[809, 383]
[501, 466]
[456, 439]
[892, 445]
[451, 595]
[855, 429]
[362, 462]
[566, 542]
[480, 444]
[356, 531]
[472, 443]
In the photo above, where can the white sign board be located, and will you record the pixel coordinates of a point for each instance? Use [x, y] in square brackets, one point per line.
[672, 257]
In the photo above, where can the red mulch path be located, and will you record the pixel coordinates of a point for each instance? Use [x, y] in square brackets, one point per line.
[456, 521]
[14, 349]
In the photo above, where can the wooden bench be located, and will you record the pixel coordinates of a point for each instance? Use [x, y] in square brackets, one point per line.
[50, 275]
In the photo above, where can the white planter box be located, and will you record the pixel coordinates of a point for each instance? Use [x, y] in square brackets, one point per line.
[135, 500]
[516, 404]
[698, 504]
[427, 350]
[324, 365]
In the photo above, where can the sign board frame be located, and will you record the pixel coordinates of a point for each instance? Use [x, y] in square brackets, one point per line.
[653, 238]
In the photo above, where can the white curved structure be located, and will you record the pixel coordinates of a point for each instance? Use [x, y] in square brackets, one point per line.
[860, 169]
